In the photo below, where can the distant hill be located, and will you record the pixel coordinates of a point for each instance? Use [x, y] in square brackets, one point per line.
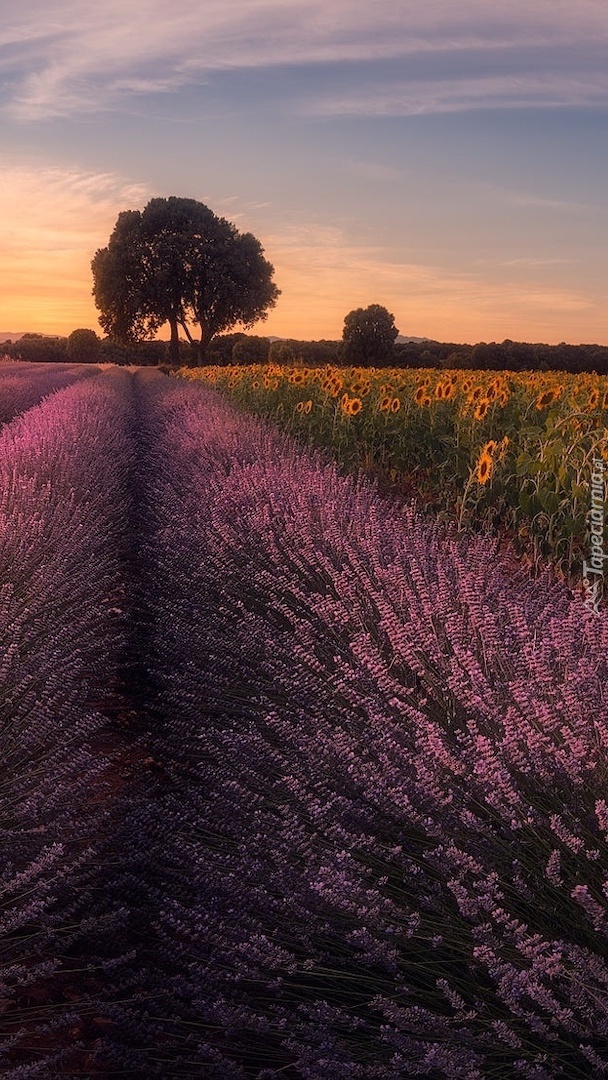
[5, 335]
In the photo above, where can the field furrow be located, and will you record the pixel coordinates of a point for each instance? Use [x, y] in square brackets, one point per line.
[63, 518]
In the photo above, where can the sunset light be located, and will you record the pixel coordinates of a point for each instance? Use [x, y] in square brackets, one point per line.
[436, 159]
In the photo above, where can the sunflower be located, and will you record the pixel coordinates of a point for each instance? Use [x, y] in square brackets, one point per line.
[355, 406]
[395, 404]
[426, 400]
[483, 469]
[448, 391]
[255, 385]
[418, 396]
[299, 406]
[594, 397]
[345, 403]
[476, 393]
[439, 391]
[481, 409]
[605, 400]
[307, 406]
[546, 398]
[502, 447]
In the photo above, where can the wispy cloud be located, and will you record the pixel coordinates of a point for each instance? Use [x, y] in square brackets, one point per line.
[536, 263]
[53, 220]
[376, 171]
[320, 269]
[73, 57]
[417, 97]
[542, 202]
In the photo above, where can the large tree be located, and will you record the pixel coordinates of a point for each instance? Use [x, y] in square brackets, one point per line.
[369, 335]
[176, 262]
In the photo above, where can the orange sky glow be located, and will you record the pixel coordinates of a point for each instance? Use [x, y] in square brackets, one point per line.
[447, 161]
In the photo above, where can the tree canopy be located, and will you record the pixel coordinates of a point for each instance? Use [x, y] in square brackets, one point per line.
[176, 262]
[369, 335]
[83, 346]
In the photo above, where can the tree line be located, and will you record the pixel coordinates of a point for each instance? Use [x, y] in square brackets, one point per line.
[242, 348]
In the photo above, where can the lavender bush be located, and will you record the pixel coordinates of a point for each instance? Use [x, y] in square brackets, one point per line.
[64, 470]
[24, 385]
[378, 837]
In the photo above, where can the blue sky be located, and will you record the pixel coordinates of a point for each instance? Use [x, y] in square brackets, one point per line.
[448, 160]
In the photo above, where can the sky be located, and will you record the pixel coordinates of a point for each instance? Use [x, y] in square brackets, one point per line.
[448, 160]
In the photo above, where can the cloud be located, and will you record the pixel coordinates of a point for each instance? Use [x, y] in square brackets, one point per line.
[418, 97]
[542, 202]
[71, 58]
[376, 171]
[536, 263]
[52, 223]
[320, 269]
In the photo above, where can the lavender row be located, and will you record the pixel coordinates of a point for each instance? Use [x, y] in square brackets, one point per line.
[24, 385]
[63, 496]
[381, 845]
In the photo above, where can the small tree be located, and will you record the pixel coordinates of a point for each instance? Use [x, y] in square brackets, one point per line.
[250, 349]
[83, 346]
[281, 352]
[369, 336]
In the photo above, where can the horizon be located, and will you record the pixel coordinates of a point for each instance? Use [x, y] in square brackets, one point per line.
[445, 163]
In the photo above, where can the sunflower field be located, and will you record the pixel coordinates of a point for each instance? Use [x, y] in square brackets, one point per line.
[513, 451]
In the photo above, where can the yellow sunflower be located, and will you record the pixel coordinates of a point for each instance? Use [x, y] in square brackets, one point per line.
[355, 406]
[484, 467]
[481, 409]
[546, 398]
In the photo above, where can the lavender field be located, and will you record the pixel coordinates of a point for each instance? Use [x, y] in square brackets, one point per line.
[294, 784]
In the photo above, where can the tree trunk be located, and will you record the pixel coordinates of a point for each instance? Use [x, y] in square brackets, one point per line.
[174, 342]
[202, 346]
